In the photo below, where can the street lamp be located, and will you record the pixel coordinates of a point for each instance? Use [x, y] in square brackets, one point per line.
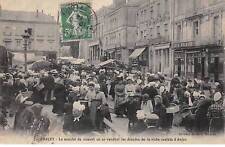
[26, 37]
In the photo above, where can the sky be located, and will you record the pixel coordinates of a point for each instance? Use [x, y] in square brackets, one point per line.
[48, 6]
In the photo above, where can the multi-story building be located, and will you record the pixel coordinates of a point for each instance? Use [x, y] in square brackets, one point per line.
[199, 38]
[116, 31]
[153, 43]
[95, 52]
[45, 32]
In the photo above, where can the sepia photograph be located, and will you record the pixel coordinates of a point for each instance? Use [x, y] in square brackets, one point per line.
[112, 71]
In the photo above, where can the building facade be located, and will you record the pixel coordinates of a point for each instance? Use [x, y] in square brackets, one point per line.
[154, 34]
[95, 45]
[45, 37]
[199, 29]
[115, 32]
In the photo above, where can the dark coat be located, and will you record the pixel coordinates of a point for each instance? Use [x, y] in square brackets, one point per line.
[48, 82]
[152, 92]
[160, 110]
[112, 89]
[134, 104]
[60, 94]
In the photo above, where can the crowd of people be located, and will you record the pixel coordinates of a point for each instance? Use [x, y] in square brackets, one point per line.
[85, 97]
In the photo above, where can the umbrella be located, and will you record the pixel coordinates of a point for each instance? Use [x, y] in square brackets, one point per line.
[41, 64]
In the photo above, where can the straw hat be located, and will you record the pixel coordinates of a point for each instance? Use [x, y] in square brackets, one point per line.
[217, 96]
[152, 84]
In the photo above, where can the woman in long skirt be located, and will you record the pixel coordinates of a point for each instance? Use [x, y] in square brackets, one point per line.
[90, 96]
[97, 98]
[120, 98]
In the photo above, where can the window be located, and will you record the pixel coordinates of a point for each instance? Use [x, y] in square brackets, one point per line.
[216, 27]
[151, 32]
[158, 9]
[166, 6]
[106, 42]
[196, 28]
[179, 32]
[40, 40]
[18, 43]
[166, 30]
[158, 31]
[7, 31]
[151, 11]
[142, 34]
[145, 34]
[8, 44]
[145, 12]
[119, 39]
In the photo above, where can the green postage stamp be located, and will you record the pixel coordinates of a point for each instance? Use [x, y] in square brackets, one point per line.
[76, 21]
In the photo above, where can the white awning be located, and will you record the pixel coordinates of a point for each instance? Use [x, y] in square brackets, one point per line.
[78, 61]
[66, 58]
[105, 63]
[137, 53]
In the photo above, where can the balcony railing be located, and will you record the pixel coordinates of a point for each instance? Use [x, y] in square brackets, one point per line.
[184, 44]
[160, 39]
[199, 42]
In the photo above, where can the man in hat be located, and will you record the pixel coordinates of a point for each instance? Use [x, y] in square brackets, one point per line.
[60, 95]
[49, 83]
[175, 81]
[102, 76]
[216, 115]
[102, 81]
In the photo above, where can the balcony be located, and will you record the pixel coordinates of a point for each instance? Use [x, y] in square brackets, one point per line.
[157, 40]
[184, 44]
[199, 42]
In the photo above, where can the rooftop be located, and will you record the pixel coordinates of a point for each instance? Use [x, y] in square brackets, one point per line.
[38, 16]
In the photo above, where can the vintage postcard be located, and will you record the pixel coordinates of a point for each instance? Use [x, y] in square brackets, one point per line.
[112, 71]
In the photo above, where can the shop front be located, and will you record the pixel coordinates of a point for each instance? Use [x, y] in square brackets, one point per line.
[161, 57]
[139, 59]
[199, 62]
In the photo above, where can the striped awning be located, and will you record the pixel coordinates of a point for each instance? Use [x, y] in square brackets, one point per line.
[137, 53]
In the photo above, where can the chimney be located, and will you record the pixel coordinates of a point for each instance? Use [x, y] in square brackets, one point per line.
[37, 13]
